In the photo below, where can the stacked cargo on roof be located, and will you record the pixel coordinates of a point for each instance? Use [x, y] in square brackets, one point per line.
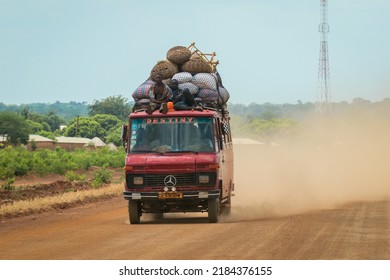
[194, 70]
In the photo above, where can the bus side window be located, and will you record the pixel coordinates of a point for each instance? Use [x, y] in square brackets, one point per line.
[227, 131]
[221, 135]
[226, 136]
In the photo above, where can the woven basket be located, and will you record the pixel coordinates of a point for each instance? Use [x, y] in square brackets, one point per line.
[166, 68]
[178, 54]
[196, 66]
[195, 56]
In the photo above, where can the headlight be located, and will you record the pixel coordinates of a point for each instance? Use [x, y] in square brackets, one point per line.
[137, 180]
[204, 179]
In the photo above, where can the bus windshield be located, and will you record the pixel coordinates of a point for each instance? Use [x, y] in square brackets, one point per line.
[172, 134]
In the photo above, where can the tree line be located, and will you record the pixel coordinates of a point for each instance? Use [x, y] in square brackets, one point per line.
[104, 118]
[119, 106]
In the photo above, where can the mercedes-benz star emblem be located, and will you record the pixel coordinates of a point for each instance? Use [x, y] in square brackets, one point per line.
[170, 181]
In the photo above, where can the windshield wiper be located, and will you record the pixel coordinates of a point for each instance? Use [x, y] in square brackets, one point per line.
[146, 151]
[183, 151]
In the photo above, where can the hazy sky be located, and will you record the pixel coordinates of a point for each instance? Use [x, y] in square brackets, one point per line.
[85, 50]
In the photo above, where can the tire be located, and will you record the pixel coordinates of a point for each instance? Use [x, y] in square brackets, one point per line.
[134, 212]
[214, 207]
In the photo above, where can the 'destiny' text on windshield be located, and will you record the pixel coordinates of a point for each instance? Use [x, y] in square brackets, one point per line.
[170, 120]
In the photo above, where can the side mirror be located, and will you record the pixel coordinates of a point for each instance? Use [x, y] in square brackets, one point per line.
[124, 132]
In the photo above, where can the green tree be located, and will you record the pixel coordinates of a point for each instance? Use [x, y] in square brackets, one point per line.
[84, 127]
[47, 134]
[53, 121]
[35, 127]
[50, 121]
[107, 122]
[25, 112]
[113, 105]
[14, 127]
[114, 136]
[35, 117]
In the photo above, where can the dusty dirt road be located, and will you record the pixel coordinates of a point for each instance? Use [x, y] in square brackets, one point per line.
[101, 231]
[286, 206]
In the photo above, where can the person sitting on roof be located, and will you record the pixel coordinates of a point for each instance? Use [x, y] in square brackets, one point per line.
[187, 102]
[159, 95]
[177, 93]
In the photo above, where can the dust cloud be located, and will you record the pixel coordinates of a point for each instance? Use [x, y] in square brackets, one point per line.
[330, 163]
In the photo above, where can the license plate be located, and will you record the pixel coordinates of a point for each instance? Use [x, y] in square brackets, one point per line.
[165, 195]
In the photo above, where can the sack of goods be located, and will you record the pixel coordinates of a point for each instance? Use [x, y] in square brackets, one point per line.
[142, 92]
[194, 70]
[182, 77]
[190, 86]
[205, 80]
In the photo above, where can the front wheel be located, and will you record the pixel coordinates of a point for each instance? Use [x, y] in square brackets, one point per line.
[134, 212]
[214, 207]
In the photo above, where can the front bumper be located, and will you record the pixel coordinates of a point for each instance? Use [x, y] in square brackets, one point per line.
[187, 195]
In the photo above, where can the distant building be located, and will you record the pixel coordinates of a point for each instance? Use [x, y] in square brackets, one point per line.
[71, 143]
[39, 142]
[96, 142]
[3, 140]
[66, 143]
[112, 147]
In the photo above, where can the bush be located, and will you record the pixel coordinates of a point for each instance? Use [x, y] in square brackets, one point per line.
[6, 173]
[9, 184]
[17, 161]
[101, 176]
[72, 176]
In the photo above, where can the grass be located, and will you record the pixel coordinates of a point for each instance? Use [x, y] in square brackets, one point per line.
[65, 200]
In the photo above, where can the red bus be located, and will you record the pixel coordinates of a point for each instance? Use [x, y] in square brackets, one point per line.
[181, 161]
